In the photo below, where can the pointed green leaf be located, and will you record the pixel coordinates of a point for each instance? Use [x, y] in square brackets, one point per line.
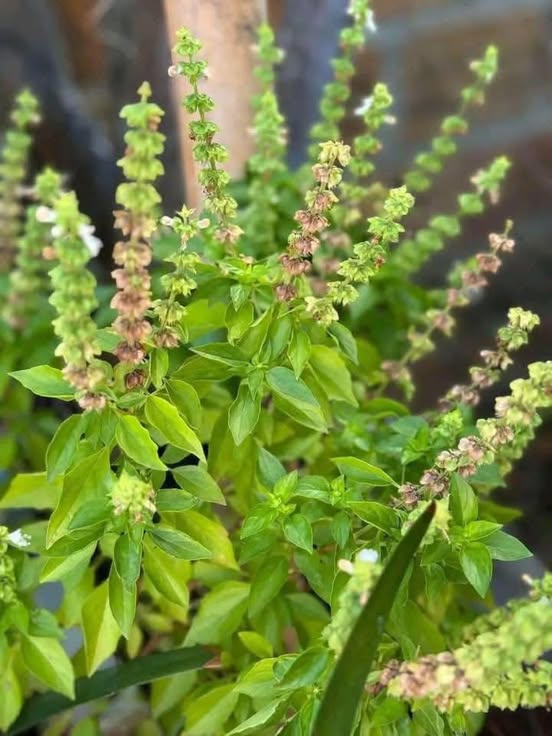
[43, 380]
[477, 566]
[90, 479]
[267, 582]
[135, 442]
[196, 480]
[294, 398]
[244, 413]
[362, 472]
[122, 601]
[100, 629]
[178, 544]
[63, 447]
[166, 419]
[47, 660]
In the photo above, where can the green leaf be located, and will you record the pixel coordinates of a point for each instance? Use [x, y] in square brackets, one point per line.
[196, 480]
[135, 442]
[293, 397]
[205, 715]
[174, 499]
[362, 472]
[168, 575]
[257, 723]
[63, 447]
[47, 660]
[87, 480]
[267, 582]
[269, 468]
[100, 629]
[159, 365]
[477, 566]
[477, 530]
[244, 413]
[58, 568]
[184, 396]
[299, 351]
[122, 601]
[256, 644]
[504, 547]
[211, 533]
[12, 696]
[136, 672]
[127, 558]
[259, 518]
[339, 705]
[91, 513]
[31, 490]
[332, 374]
[221, 352]
[220, 613]
[463, 501]
[376, 514]
[43, 380]
[178, 544]
[345, 339]
[298, 531]
[307, 669]
[166, 419]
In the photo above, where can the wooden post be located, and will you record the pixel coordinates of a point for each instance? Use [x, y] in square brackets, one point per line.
[227, 30]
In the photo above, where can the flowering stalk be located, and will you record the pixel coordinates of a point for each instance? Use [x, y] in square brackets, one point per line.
[502, 438]
[207, 153]
[364, 572]
[74, 299]
[352, 192]
[136, 221]
[369, 256]
[414, 252]
[429, 163]
[169, 331]
[338, 91]
[8, 583]
[500, 667]
[29, 279]
[466, 277]
[13, 167]
[268, 161]
[304, 240]
[510, 338]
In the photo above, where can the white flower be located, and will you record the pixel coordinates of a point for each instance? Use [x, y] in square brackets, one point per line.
[364, 106]
[45, 214]
[346, 566]
[367, 555]
[94, 244]
[19, 538]
[371, 22]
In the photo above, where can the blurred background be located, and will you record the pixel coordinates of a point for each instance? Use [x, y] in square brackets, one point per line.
[85, 59]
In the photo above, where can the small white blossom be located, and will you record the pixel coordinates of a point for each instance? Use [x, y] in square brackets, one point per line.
[367, 555]
[93, 243]
[346, 566]
[364, 106]
[19, 538]
[45, 214]
[371, 22]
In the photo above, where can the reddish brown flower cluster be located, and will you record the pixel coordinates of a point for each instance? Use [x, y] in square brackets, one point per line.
[305, 240]
[133, 256]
